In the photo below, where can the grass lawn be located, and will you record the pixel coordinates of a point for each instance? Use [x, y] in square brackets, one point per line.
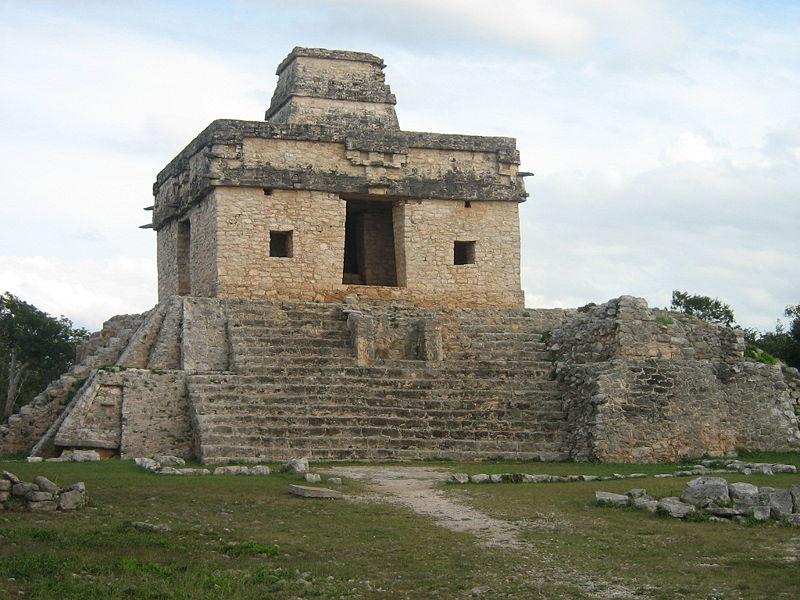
[245, 537]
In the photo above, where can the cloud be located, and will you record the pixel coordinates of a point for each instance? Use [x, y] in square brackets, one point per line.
[88, 291]
[664, 136]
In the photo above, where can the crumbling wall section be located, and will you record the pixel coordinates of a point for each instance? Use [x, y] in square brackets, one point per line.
[31, 423]
[646, 386]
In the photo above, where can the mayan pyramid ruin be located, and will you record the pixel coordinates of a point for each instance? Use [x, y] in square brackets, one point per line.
[332, 286]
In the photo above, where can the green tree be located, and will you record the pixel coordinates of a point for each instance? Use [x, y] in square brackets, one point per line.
[709, 309]
[783, 343]
[34, 349]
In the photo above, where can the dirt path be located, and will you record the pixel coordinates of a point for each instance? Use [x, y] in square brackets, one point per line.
[416, 488]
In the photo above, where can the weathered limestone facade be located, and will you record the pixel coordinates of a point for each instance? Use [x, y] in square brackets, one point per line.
[334, 287]
[366, 207]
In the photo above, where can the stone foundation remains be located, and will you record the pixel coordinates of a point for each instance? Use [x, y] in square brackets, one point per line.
[225, 380]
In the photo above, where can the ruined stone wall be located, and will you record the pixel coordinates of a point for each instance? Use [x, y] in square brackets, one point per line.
[155, 415]
[28, 427]
[643, 385]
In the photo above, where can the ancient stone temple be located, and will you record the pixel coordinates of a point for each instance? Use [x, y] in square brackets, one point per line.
[329, 197]
[335, 287]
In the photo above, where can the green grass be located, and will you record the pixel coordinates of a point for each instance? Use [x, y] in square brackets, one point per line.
[245, 537]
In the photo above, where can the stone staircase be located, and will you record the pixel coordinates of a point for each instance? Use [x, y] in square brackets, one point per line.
[296, 389]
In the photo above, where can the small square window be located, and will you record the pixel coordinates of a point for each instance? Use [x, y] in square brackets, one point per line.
[463, 253]
[280, 244]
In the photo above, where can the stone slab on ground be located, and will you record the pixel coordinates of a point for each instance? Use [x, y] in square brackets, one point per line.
[305, 491]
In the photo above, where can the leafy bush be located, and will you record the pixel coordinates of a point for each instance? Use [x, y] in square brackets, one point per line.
[760, 355]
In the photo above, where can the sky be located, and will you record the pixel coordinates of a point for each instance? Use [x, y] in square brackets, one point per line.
[664, 136]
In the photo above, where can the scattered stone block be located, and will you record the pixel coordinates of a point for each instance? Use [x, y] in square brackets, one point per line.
[779, 501]
[673, 507]
[636, 493]
[794, 520]
[313, 477]
[780, 468]
[645, 503]
[338, 480]
[313, 492]
[71, 500]
[147, 463]
[167, 460]
[761, 513]
[536, 478]
[297, 465]
[79, 487]
[34, 459]
[10, 477]
[495, 478]
[704, 491]
[459, 478]
[744, 495]
[80, 456]
[242, 470]
[610, 499]
[45, 484]
[192, 471]
[38, 496]
[44, 506]
[663, 475]
[5, 485]
[23, 489]
[168, 471]
[479, 478]
[794, 491]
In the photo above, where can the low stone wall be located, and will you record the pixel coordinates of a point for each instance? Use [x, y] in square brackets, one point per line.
[41, 495]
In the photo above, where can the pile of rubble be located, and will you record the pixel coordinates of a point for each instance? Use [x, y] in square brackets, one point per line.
[41, 495]
[715, 498]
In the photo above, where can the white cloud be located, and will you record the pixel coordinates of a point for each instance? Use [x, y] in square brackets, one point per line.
[690, 147]
[666, 153]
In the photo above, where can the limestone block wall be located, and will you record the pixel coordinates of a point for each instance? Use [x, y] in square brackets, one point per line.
[639, 388]
[202, 273]
[245, 218]
[155, 415]
[427, 231]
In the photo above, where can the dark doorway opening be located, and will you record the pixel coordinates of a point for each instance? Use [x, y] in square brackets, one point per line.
[183, 251]
[369, 253]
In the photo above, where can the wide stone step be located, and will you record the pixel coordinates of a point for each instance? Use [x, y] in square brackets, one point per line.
[292, 350]
[255, 446]
[288, 324]
[453, 422]
[243, 384]
[225, 454]
[258, 343]
[307, 365]
[255, 331]
[481, 409]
